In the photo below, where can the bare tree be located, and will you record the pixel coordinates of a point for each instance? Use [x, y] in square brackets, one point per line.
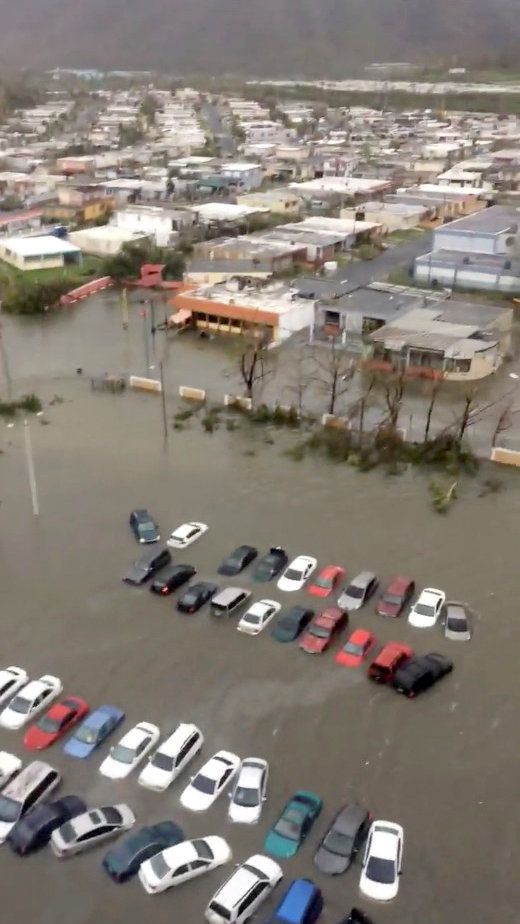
[358, 409]
[393, 389]
[300, 376]
[434, 393]
[333, 371]
[255, 362]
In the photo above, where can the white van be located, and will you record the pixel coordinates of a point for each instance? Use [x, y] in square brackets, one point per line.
[36, 781]
[228, 600]
[245, 890]
[171, 757]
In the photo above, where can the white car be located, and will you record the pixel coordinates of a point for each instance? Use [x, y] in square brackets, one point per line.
[427, 608]
[249, 792]
[9, 767]
[130, 750]
[206, 786]
[258, 616]
[90, 829]
[185, 861]
[186, 535]
[382, 861]
[171, 757]
[245, 890]
[295, 575]
[11, 680]
[30, 700]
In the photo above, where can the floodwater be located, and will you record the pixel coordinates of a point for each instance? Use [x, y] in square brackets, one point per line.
[445, 766]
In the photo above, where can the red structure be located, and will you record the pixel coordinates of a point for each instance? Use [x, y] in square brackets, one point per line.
[89, 288]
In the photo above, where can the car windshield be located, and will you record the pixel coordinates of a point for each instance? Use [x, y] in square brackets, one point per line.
[325, 582]
[392, 599]
[47, 724]
[202, 849]
[293, 575]
[9, 809]
[289, 828]
[162, 761]
[457, 623]
[253, 618]
[340, 844]
[246, 797]
[159, 866]
[379, 870]
[319, 631]
[86, 735]
[20, 704]
[354, 591]
[67, 832]
[204, 784]
[190, 597]
[122, 754]
[424, 609]
[219, 909]
[353, 649]
[147, 527]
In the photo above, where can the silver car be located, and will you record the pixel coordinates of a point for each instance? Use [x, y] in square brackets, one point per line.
[457, 623]
[91, 828]
[360, 589]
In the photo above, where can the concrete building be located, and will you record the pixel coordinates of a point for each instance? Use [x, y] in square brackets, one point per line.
[492, 231]
[18, 222]
[244, 175]
[106, 241]
[278, 201]
[391, 216]
[474, 271]
[272, 311]
[35, 253]
[162, 225]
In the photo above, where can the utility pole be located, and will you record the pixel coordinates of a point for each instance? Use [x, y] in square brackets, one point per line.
[163, 403]
[146, 344]
[124, 309]
[5, 362]
[30, 467]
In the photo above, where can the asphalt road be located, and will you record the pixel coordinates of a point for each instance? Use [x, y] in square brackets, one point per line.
[363, 272]
[444, 765]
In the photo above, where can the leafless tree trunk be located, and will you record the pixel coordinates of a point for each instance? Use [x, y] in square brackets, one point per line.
[333, 372]
[394, 392]
[359, 408]
[436, 387]
[300, 376]
[254, 363]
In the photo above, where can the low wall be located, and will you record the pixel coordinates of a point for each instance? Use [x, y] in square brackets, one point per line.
[144, 384]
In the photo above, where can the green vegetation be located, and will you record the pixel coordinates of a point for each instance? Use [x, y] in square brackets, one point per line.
[35, 291]
[127, 264]
[29, 403]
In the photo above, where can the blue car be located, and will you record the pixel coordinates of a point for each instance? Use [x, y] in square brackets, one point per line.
[93, 730]
[293, 825]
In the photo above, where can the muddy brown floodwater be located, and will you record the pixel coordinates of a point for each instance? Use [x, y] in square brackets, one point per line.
[445, 766]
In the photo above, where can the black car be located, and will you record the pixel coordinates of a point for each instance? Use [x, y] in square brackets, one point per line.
[356, 916]
[144, 527]
[146, 566]
[35, 828]
[292, 623]
[271, 564]
[123, 861]
[238, 560]
[343, 840]
[420, 673]
[196, 596]
[172, 577]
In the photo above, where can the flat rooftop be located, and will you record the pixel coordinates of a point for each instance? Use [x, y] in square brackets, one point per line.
[276, 297]
[495, 220]
[45, 245]
[479, 263]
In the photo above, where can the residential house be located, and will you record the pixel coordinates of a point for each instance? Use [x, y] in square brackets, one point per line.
[278, 201]
[245, 175]
[390, 216]
[162, 225]
[34, 253]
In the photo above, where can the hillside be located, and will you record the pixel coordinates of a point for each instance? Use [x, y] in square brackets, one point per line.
[270, 37]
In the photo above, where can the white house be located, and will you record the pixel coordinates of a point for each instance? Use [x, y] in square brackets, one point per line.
[40, 252]
[247, 175]
[159, 223]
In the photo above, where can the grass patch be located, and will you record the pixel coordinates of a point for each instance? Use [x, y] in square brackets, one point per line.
[29, 403]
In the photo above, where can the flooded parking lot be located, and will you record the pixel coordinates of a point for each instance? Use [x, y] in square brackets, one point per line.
[444, 766]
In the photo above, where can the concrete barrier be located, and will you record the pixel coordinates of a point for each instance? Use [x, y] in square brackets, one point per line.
[505, 456]
[192, 394]
[137, 381]
[245, 404]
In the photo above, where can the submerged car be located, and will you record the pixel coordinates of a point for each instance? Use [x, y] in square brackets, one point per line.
[258, 616]
[93, 730]
[145, 567]
[35, 828]
[382, 862]
[357, 647]
[171, 578]
[323, 629]
[240, 896]
[292, 623]
[171, 757]
[360, 589]
[55, 723]
[293, 825]
[295, 575]
[427, 608]
[185, 861]
[239, 559]
[143, 526]
[396, 596]
[327, 581]
[130, 751]
[11, 680]
[388, 661]
[123, 861]
[457, 625]
[270, 565]
[420, 673]
[30, 701]
[249, 792]
[196, 596]
[211, 780]
[343, 840]
[186, 535]
[10, 765]
[90, 829]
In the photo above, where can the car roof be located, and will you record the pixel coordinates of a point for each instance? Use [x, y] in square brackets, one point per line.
[236, 887]
[359, 635]
[249, 776]
[398, 584]
[228, 594]
[302, 559]
[384, 840]
[362, 579]
[260, 607]
[59, 710]
[180, 853]
[296, 900]
[142, 512]
[134, 736]
[430, 593]
[349, 818]
[456, 609]
[331, 613]
[214, 767]
[329, 569]
[33, 688]
[172, 745]
[33, 772]
[99, 716]
[184, 529]
[389, 651]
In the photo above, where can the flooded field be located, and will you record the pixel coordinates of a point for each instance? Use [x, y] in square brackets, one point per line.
[444, 766]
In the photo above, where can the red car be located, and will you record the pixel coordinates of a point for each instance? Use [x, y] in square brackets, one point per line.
[391, 656]
[327, 581]
[55, 723]
[394, 599]
[358, 645]
[322, 630]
